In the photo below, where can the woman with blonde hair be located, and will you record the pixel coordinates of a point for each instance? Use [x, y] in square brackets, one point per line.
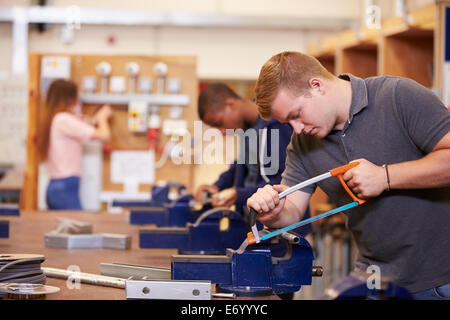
[64, 130]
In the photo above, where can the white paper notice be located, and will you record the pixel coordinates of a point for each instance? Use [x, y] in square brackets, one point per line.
[133, 167]
[55, 67]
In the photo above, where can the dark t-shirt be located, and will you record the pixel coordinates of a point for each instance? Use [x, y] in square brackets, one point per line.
[406, 233]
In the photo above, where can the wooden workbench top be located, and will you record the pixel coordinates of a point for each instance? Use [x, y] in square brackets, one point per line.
[27, 236]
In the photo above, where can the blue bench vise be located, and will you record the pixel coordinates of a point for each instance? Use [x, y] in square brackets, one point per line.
[160, 210]
[9, 210]
[4, 229]
[175, 214]
[277, 266]
[159, 197]
[213, 232]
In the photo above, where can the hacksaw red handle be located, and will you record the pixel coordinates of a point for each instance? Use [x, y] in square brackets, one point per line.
[339, 171]
[343, 169]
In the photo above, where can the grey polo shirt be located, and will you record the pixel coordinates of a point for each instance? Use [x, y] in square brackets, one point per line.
[404, 232]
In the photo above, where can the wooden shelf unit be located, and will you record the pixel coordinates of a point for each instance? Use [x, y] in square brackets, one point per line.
[409, 54]
[325, 53]
[404, 46]
[358, 53]
[407, 46]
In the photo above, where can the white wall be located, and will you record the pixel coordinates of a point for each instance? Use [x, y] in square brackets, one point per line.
[388, 6]
[222, 53]
[6, 45]
[300, 8]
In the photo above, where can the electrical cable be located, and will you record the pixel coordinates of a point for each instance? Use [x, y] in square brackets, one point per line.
[21, 269]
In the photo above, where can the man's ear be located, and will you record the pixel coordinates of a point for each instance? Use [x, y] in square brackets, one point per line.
[231, 103]
[317, 85]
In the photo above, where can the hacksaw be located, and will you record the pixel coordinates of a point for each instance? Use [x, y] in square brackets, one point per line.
[253, 236]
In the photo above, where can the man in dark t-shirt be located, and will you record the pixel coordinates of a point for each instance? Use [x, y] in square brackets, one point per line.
[399, 133]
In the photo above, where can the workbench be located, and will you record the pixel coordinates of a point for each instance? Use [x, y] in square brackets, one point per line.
[27, 236]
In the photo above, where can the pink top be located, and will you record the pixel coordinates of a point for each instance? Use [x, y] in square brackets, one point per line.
[67, 134]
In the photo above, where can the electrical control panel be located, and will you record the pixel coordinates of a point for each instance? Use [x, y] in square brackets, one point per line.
[137, 116]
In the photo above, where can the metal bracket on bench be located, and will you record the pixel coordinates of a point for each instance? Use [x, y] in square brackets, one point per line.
[172, 290]
[134, 272]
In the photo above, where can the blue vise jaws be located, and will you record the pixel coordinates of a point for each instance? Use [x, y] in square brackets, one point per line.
[4, 229]
[277, 266]
[161, 210]
[159, 197]
[213, 232]
[9, 210]
[174, 214]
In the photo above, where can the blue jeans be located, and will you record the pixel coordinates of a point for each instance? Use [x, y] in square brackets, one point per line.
[438, 293]
[63, 194]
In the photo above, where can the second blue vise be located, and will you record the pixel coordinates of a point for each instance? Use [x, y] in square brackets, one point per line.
[213, 232]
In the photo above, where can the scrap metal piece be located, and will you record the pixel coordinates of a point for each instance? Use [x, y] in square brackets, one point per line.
[70, 226]
[74, 241]
[134, 272]
[116, 241]
[170, 290]
[88, 241]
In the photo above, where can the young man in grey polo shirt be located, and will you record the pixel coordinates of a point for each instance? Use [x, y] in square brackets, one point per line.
[398, 131]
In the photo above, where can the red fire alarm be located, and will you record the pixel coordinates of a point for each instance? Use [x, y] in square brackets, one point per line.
[111, 40]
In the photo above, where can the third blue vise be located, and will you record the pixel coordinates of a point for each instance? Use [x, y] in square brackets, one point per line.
[213, 232]
[174, 214]
[169, 206]
[159, 196]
